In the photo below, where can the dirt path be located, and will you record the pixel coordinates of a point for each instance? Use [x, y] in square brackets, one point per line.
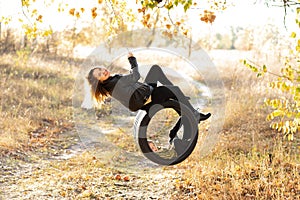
[87, 170]
[70, 179]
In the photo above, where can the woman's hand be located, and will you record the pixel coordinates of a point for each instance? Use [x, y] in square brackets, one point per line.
[130, 54]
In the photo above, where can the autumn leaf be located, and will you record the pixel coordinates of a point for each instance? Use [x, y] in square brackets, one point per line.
[293, 35]
[72, 11]
[147, 17]
[185, 32]
[39, 18]
[118, 177]
[94, 13]
[142, 10]
[34, 12]
[126, 178]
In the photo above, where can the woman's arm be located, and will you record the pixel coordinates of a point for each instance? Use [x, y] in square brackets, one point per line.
[134, 76]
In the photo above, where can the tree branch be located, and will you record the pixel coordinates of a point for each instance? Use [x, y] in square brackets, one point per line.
[163, 4]
[257, 65]
[22, 8]
[285, 4]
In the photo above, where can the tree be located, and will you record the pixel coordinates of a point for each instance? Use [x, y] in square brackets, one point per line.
[245, 39]
[285, 115]
[121, 15]
[118, 16]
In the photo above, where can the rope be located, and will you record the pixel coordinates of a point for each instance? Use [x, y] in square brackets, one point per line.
[114, 12]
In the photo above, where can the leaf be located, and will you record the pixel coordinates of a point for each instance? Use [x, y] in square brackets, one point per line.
[265, 68]
[39, 18]
[94, 13]
[185, 32]
[118, 177]
[72, 11]
[169, 6]
[254, 69]
[277, 113]
[269, 117]
[187, 5]
[176, 2]
[77, 14]
[258, 75]
[126, 178]
[293, 35]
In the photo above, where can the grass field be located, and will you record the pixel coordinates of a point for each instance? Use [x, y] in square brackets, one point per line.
[33, 106]
[250, 161]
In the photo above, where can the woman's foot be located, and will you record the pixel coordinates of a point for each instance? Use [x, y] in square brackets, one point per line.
[202, 117]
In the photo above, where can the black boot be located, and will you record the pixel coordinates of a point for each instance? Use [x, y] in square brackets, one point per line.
[201, 117]
[204, 117]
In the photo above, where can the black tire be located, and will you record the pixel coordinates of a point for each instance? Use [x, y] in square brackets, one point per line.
[190, 128]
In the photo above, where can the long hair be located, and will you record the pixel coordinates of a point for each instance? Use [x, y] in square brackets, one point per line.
[98, 92]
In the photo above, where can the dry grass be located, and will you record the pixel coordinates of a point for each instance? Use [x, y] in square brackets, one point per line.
[251, 161]
[32, 101]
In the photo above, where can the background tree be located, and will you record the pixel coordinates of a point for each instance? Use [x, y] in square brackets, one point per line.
[115, 16]
[285, 114]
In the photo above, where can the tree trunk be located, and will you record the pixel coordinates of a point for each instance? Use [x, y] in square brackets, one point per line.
[0, 31]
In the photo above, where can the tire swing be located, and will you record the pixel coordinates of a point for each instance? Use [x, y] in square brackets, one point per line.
[179, 147]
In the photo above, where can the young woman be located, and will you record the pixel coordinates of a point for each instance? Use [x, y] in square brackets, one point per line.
[134, 94]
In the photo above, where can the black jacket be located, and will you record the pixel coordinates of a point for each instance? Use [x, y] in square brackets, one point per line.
[126, 88]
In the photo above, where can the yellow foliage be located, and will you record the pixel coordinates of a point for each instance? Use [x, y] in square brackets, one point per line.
[25, 3]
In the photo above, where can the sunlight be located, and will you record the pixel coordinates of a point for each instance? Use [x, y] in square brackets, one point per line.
[243, 14]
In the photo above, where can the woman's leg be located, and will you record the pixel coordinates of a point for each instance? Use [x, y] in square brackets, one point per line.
[156, 74]
[163, 93]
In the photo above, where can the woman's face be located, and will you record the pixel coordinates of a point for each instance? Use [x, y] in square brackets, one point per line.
[101, 74]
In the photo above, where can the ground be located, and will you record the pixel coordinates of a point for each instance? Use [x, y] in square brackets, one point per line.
[43, 156]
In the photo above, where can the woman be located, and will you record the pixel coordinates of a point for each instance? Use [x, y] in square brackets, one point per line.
[133, 94]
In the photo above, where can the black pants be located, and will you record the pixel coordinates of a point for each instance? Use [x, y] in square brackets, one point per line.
[165, 92]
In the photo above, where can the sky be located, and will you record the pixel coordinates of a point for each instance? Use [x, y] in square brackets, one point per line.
[243, 13]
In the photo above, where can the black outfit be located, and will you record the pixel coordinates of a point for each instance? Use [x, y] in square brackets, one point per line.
[133, 94]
